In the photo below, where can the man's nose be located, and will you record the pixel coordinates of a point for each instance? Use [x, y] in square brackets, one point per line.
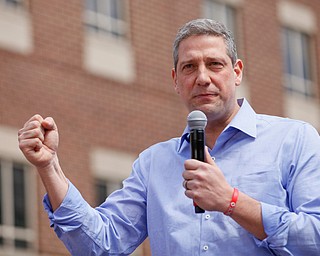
[203, 76]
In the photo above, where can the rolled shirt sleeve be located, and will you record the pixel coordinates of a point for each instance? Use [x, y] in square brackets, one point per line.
[294, 230]
[105, 230]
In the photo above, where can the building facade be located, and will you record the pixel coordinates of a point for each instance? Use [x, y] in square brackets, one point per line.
[102, 69]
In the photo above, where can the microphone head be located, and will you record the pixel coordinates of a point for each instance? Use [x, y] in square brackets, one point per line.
[197, 120]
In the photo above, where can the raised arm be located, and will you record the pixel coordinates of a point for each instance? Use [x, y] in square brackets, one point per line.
[39, 140]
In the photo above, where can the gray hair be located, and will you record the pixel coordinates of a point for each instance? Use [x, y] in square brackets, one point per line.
[205, 27]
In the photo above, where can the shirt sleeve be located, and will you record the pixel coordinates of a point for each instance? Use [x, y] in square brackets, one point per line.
[295, 230]
[116, 227]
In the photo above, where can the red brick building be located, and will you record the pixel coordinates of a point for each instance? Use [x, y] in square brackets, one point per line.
[102, 69]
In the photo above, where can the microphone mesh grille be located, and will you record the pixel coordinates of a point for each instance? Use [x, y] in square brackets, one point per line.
[197, 120]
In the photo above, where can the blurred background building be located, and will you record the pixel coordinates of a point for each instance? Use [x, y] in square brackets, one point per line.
[102, 69]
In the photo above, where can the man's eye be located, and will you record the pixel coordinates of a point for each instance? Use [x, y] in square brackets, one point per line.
[216, 64]
[188, 66]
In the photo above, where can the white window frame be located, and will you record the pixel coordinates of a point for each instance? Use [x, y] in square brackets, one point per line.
[16, 27]
[222, 11]
[109, 185]
[297, 62]
[108, 53]
[10, 155]
[299, 105]
[101, 20]
[110, 167]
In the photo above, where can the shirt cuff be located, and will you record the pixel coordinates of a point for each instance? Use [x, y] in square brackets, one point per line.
[275, 221]
[69, 214]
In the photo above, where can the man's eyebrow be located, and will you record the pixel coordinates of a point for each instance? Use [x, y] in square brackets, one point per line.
[208, 58]
[220, 59]
[186, 61]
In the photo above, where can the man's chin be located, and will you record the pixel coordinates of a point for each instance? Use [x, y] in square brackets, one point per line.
[208, 107]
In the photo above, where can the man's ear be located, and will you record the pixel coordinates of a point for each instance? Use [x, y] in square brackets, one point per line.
[238, 71]
[174, 79]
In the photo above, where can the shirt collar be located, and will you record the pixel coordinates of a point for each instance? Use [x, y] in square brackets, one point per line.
[244, 120]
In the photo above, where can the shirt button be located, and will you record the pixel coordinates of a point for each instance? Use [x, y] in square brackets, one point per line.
[207, 216]
[213, 158]
[205, 248]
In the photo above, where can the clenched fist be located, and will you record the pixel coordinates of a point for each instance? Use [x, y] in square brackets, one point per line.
[38, 140]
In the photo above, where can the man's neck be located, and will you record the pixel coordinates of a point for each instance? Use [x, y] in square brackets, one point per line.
[212, 135]
[215, 127]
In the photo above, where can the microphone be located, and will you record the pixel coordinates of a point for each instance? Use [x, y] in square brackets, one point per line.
[197, 122]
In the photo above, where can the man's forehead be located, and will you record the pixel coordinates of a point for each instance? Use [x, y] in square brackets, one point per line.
[205, 45]
[202, 42]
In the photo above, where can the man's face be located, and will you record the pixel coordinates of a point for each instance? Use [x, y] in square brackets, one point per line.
[205, 78]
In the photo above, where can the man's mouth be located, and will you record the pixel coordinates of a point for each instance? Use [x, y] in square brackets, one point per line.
[206, 95]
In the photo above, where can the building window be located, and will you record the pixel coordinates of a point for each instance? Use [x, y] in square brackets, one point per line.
[104, 188]
[16, 26]
[297, 62]
[106, 16]
[13, 3]
[220, 12]
[17, 213]
[109, 168]
[298, 49]
[107, 49]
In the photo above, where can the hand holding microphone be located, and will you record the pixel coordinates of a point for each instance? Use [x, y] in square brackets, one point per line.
[197, 122]
[204, 182]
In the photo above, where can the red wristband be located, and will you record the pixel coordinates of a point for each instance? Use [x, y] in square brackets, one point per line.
[233, 202]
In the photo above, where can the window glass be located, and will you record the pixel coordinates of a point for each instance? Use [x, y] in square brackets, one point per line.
[220, 12]
[16, 230]
[19, 196]
[21, 244]
[91, 6]
[13, 2]
[297, 61]
[106, 16]
[101, 191]
[104, 188]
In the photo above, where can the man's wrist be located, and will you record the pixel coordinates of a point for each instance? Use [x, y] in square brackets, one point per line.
[232, 203]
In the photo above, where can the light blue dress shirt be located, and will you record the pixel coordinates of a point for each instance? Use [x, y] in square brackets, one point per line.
[273, 160]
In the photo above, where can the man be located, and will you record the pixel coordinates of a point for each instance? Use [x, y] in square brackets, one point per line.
[261, 192]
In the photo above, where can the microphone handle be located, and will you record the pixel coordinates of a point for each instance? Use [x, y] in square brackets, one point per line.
[197, 143]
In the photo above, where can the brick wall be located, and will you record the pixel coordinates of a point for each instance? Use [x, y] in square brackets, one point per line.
[93, 111]
[263, 66]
